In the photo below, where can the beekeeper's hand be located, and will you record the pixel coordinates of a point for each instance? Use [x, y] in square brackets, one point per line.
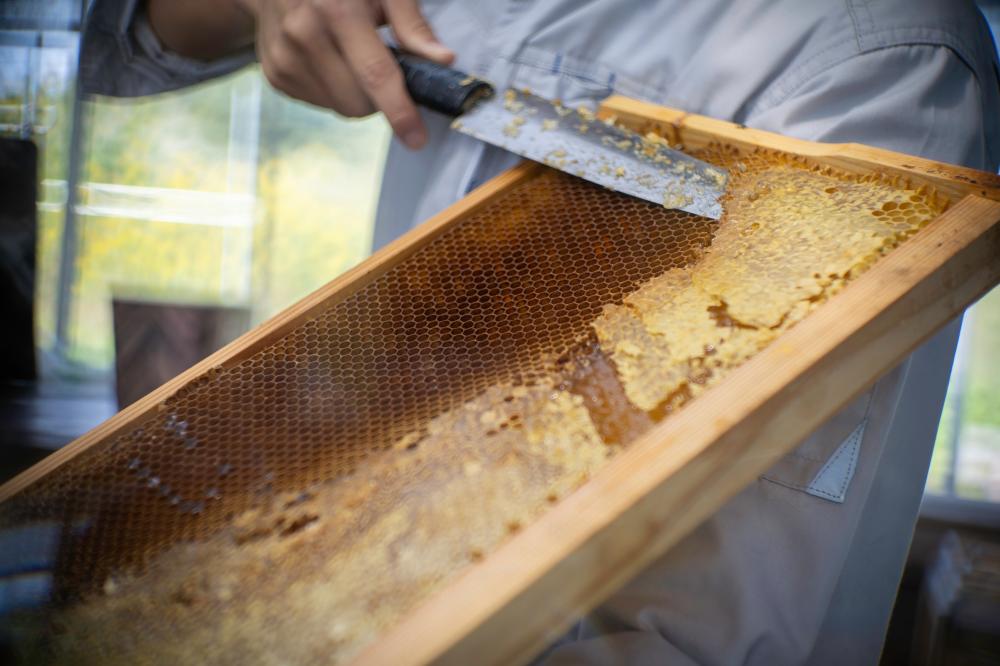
[325, 52]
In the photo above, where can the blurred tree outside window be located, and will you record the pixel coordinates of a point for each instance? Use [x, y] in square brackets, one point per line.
[966, 461]
[227, 193]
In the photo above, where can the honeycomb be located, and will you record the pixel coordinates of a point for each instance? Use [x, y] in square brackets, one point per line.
[791, 237]
[387, 535]
[294, 504]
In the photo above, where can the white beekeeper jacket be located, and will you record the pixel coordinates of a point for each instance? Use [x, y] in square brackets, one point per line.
[803, 565]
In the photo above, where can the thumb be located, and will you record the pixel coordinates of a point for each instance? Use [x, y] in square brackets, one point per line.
[414, 33]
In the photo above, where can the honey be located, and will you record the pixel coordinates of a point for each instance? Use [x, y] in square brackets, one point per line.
[791, 236]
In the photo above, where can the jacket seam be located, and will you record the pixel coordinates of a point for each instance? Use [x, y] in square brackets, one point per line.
[555, 62]
[852, 12]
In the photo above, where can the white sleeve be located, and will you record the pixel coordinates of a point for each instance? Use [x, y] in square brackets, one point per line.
[121, 56]
[753, 583]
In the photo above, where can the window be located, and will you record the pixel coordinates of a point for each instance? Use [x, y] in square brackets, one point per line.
[224, 194]
[966, 462]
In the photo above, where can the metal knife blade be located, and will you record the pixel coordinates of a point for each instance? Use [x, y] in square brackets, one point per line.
[576, 142]
[568, 139]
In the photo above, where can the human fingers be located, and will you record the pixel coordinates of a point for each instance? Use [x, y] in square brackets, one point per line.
[280, 61]
[317, 52]
[285, 71]
[374, 67]
[414, 32]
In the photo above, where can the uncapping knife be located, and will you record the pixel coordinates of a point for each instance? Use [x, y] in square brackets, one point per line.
[570, 140]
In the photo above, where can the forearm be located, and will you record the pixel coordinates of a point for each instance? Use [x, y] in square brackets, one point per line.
[201, 29]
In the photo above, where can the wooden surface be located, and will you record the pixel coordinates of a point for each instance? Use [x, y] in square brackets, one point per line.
[310, 306]
[508, 607]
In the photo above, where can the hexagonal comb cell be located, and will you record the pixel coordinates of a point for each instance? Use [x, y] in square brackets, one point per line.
[298, 502]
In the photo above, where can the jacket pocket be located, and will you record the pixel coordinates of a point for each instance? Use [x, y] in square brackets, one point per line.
[823, 465]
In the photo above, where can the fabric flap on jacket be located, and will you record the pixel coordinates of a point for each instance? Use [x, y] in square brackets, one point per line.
[831, 482]
[824, 463]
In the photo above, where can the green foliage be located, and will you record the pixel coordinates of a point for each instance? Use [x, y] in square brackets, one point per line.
[982, 397]
[978, 425]
[176, 139]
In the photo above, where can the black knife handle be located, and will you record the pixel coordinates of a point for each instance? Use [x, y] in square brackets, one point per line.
[441, 88]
